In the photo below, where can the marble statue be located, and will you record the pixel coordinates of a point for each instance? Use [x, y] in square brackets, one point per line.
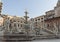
[7, 24]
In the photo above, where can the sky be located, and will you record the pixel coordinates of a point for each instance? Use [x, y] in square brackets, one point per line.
[34, 7]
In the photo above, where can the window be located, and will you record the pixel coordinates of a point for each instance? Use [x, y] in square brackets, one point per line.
[18, 25]
[18, 21]
[24, 22]
[21, 21]
[36, 20]
[14, 21]
[47, 25]
[41, 21]
[21, 25]
[14, 25]
[41, 18]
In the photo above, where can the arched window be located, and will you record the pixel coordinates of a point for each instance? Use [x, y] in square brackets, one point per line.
[18, 25]
[14, 25]
[21, 25]
[47, 25]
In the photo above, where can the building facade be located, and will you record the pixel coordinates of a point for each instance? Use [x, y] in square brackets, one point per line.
[40, 22]
[52, 19]
[40, 25]
[17, 23]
